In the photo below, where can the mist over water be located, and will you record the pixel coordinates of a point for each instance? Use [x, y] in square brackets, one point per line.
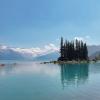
[35, 81]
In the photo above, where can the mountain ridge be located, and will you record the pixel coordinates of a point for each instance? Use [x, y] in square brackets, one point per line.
[49, 53]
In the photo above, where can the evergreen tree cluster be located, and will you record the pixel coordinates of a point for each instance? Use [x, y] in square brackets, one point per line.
[74, 50]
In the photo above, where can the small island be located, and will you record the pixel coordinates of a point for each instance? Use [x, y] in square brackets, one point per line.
[72, 52]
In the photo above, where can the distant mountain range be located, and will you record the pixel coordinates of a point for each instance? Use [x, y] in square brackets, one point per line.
[9, 53]
[47, 54]
[93, 51]
[95, 55]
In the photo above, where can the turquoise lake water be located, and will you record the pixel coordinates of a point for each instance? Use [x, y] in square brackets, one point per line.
[34, 81]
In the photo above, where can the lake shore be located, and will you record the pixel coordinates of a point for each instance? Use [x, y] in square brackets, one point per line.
[68, 62]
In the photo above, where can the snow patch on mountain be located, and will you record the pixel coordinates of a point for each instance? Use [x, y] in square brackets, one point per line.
[16, 53]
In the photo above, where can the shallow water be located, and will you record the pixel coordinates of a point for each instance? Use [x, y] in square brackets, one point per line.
[34, 81]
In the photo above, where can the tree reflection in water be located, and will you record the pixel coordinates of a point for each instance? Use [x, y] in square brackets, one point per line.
[74, 74]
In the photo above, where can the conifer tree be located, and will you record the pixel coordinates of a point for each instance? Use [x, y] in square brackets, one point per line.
[74, 50]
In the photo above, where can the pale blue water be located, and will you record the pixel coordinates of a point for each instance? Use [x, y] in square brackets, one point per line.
[34, 81]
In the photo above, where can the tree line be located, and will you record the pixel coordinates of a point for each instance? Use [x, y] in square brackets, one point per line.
[74, 50]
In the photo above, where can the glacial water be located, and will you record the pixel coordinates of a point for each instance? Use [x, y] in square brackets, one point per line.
[35, 81]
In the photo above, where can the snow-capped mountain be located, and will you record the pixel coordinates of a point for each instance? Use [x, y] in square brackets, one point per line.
[48, 52]
[10, 53]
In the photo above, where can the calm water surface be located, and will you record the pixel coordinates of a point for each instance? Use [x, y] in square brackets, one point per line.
[34, 81]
